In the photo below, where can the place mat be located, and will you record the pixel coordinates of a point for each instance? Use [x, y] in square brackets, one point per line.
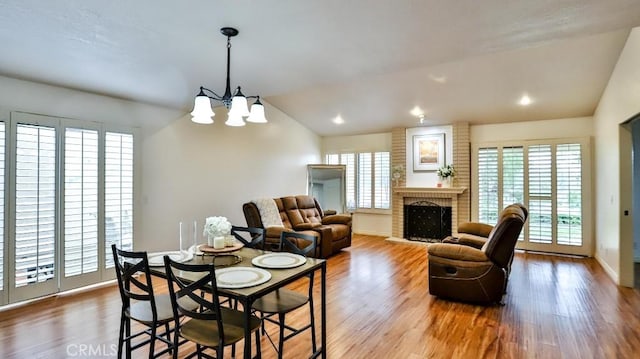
[205, 248]
[156, 259]
[241, 277]
[279, 260]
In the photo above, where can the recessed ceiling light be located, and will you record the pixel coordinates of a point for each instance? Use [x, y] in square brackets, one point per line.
[338, 120]
[417, 111]
[525, 100]
[439, 79]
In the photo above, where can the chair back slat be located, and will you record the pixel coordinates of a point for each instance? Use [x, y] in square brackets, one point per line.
[195, 290]
[129, 265]
[251, 237]
[292, 241]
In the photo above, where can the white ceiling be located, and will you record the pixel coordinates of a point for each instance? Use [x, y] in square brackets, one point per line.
[369, 61]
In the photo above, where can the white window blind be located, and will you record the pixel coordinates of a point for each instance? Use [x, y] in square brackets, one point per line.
[488, 206]
[80, 201]
[381, 195]
[2, 190]
[540, 191]
[118, 192]
[35, 204]
[364, 180]
[349, 160]
[569, 193]
[333, 159]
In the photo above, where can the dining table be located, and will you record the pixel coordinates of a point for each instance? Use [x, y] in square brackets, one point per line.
[246, 295]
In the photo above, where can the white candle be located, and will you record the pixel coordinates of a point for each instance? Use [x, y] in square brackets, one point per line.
[218, 242]
[195, 235]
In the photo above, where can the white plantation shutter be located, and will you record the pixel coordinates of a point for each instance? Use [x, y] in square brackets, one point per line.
[540, 201]
[513, 177]
[80, 201]
[2, 190]
[364, 180]
[349, 160]
[368, 183]
[118, 192]
[488, 206]
[332, 159]
[382, 181]
[35, 224]
[569, 193]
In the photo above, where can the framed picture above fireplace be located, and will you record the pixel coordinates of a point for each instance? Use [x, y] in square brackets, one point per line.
[428, 152]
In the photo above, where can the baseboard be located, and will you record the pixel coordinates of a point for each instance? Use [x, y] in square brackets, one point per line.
[372, 233]
[612, 274]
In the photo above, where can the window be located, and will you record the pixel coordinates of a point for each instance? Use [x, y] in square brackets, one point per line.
[548, 177]
[118, 189]
[35, 223]
[367, 177]
[67, 191]
[80, 201]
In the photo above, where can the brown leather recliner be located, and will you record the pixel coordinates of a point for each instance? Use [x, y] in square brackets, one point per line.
[469, 274]
[303, 214]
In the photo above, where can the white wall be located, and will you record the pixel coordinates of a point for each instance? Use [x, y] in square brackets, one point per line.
[620, 101]
[533, 130]
[429, 178]
[364, 222]
[193, 171]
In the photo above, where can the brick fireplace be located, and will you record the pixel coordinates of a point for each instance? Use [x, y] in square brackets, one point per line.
[409, 195]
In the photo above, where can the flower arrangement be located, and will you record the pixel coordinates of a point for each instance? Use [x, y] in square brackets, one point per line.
[446, 171]
[397, 171]
[217, 227]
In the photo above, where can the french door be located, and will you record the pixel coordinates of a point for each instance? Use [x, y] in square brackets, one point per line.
[33, 218]
[68, 196]
[551, 178]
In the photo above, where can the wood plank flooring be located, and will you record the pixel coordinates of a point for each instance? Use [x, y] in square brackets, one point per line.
[379, 307]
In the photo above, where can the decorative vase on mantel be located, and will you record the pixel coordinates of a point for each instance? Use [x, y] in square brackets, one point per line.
[446, 182]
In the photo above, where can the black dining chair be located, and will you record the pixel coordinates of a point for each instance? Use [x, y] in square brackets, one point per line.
[283, 301]
[251, 237]
[211, 326]
[141, 304]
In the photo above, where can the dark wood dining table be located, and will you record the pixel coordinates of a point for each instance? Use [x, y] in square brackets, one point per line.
[279, 278]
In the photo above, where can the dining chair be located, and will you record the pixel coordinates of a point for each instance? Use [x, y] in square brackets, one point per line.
[283, 301]
[141, 304]
[251, 237]
[212, 326]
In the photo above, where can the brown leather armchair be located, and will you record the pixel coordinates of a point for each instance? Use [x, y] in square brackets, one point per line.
[303, 214]
[470, 274]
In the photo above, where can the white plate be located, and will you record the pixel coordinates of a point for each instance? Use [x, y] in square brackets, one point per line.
[156, 259]
[241, 277]
[279, 260]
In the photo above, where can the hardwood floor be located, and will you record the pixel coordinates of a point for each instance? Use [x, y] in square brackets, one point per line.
[379, 307]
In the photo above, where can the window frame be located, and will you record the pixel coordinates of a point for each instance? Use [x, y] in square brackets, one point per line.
[356, 179]
[586, 249]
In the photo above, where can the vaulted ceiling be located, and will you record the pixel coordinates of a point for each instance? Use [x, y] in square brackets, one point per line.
[368, 61]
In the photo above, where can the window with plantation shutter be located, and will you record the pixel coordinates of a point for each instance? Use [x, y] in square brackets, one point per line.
[364, 180]
[80, 201]
[118, 189]
[2, 190]
[382, 182]
[367, 178]
[35, 203]
[349, 160]
[550, 178]
[569, 193]
[488, 206]
[540, 217]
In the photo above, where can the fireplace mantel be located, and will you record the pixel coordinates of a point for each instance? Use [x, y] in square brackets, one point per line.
[408, 191]
[406, 194]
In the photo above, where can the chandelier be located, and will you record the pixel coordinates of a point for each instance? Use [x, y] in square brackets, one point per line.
[236, 104]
